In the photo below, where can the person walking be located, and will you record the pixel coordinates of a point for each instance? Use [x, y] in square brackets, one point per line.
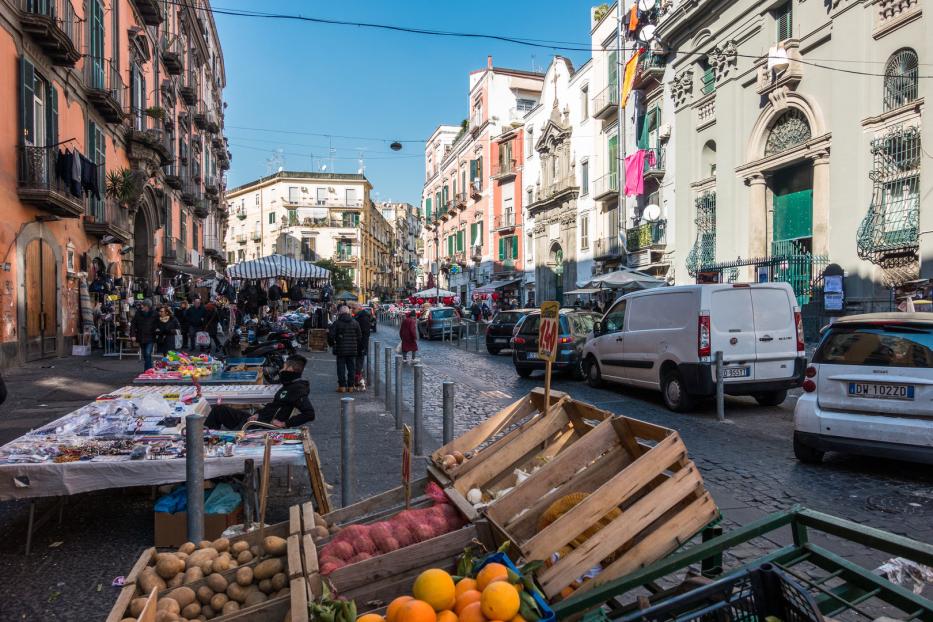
[365, 319]
[344, 337]
[212, 323]
[165, 330]
[476, 311]
[408, 333]
[182, 317]
[196, 316]
[143, 331]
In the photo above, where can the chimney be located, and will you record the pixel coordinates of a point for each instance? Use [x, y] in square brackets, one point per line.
[489, 62]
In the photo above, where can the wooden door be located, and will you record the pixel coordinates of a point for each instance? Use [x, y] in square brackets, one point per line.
[41, 281]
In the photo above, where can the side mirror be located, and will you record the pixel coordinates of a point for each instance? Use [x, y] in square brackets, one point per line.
[597, 328]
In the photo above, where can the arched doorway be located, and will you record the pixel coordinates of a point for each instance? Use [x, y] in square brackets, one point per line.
[142, 242]
[41, 300]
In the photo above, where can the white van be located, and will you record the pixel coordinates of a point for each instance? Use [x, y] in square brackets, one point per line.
[667, 338]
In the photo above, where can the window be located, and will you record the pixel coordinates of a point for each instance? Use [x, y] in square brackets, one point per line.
[508, 247]
[584, 178]
[709, 78]
[703, 252]
[427, 208]
[38, 107]
[138, 97]
[96, 151]
[351, 196]
[460, 241]
[708, 160]
[900, 79]
[584, 231]
[529, 143]
[476, 233]
[529, 196]
[789, 130]
[612, 156]
[293, 194]
[524, 105]
[96, 48]
[783, 21]
[615, 318]
[613, 73]
[271, 218]
[885, 346]
[257, 198]
[584, 102]
[321, 196]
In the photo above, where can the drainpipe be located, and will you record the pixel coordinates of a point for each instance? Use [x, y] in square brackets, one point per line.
[620, 132]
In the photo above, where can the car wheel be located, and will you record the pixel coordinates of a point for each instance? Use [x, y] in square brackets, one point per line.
[807, 454]
[523, 372]
[675, 393]
[493, 351]
[771, 398]
[578, 370]
[594, 376]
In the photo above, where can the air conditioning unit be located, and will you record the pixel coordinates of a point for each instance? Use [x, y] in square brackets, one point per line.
[664, 132]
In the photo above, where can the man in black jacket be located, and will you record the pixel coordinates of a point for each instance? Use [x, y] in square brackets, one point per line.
[289, 408]
[143, 330]
[196, 317]
[344, 337]
[365, 319]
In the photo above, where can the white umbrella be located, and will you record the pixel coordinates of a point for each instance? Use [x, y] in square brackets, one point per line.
[626, 278]
[274, 266]
[433, 292]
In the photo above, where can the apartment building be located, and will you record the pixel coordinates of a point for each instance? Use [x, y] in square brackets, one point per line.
[472, 212]
[130, 94]
[405, 223]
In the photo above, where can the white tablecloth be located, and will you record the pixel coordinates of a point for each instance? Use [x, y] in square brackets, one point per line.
[225, 393]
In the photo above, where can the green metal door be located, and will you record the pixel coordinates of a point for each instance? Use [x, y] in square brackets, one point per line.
[793, 215]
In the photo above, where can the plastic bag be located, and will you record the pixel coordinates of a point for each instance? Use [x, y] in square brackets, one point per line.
[222, 500]
[902, 571]
[150, 406]
[201, 338]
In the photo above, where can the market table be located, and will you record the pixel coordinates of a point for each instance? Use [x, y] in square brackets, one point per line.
[224, 377]
[236, 394]
[254, 361]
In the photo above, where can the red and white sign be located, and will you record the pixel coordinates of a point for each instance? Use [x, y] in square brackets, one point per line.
[548, 331]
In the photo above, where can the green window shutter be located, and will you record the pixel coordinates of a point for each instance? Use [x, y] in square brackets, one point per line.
[52, 115]
[473, 234]
[709, 80]
[613, 154]
[613, 68]
[27, 94]
[501, 248]
[479, 171]
[472, 170]
[784, 19]
[514, 247]
[427, 208]
[460, 241]
[479, 232]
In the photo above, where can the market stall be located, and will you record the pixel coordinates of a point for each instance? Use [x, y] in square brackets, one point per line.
[173, 377]
[242, 394]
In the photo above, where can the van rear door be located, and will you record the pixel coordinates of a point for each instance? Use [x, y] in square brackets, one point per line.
[775, 331]
[732, 330]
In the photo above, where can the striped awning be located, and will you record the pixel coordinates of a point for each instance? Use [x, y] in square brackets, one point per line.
[276, 266]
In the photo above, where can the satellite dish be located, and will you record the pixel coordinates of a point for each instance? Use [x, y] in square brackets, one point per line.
[646, 34]
[651, 212]
[646, 5]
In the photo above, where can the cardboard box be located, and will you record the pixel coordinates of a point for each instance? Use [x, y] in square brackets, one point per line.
[171, 530]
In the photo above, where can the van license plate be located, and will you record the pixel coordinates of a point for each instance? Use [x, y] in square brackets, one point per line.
[531, 356]
[881, 391]
[735, 372]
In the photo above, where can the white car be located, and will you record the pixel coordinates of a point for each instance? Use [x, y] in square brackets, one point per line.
[667, 338]
[869, 389]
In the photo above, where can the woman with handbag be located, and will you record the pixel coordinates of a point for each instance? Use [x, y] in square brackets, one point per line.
[166, 329]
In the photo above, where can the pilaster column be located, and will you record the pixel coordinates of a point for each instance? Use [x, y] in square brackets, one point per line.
[757, 215]
[821, 204]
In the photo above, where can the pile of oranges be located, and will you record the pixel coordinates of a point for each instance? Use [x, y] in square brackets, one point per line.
[490, 597]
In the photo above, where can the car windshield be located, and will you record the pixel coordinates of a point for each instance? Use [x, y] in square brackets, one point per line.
[885, 346]
[530, 325]
[583, 323]
[441, 313]
[508, 317]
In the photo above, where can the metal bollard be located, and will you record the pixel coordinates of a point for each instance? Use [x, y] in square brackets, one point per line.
[720, 389]
[398, 392]
[194, 475]
[347, 468]
[375, 379]
[448, 412]
[369, 363]
[418, 407]
[388, 378]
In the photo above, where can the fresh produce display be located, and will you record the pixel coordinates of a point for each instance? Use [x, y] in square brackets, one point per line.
[213, 579]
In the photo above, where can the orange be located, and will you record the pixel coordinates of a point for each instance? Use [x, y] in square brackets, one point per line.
[465, 584]
[472, 613]
[467, 597]
[491, 572]
[416, 611]
[447, 616]
[435, 587]
[518, 618]
[395, 606]
[371, 617]
[500, 601]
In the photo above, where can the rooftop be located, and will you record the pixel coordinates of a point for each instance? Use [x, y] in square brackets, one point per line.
[287, 175]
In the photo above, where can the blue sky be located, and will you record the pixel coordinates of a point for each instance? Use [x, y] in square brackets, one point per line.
[305, 77]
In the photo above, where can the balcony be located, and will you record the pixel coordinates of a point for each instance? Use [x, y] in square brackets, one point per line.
[197, 143]
[201, 209]
[213, 246]
[172, 175]
[650, 67]
[241, 238]
[217, 142]
[345, 257]
[190, 193]
[212, 125]
[150, 11]
[505, 221]
[189, 89]
[654, 163]
[606, 187]
[174, 251]
[608, 248]
[105, 88]
[504, 170]
[107, 218]
[606, 102]
[147, 137]
[200, 117]
[646, 235]
[476, 189]
[54, 27]
[38, 185]
[211, 186]
[460, 200]
[171, 52]
[255, 236]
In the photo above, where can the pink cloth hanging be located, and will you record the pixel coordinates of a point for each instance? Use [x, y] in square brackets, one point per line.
[635, 171]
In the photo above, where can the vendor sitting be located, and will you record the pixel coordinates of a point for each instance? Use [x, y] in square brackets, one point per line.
[289, 408]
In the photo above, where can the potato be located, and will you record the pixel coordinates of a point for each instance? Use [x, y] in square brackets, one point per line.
[176, 581]
[319, 532]
[167, 565]
[205, 594]
[230, 606]
[187, 547]
[193, 574]
[233, 564]
[221, 544]
[254, 598]
[274, 545]
[256, 550]
[168, 604]
[207, 567]
[268, 568]
[192, 611]
[319, 520]
[244, 557]
[203, 544]
[285, 591]
[166, 616]
[236, 592]
[244, 576]
[239, 547]
[149, 580]
[217, 582]
[136, 606]
[200, 556]
[219, 565]
[265, 586]
[279, 580]
[208, 612]
[183, 595]
[218, 602]
[128, 620]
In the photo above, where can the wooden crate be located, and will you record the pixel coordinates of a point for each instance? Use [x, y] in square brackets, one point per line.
[520, 436]
[640, 486]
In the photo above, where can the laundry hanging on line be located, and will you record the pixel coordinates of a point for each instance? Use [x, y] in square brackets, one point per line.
[635, 171]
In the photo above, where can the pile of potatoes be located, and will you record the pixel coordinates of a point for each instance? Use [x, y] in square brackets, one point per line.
[216, 594]
[321, 529]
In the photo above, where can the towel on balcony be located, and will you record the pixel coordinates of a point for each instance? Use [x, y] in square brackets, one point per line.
[75, 173]
[65, 171]
[89, 178]
[635, 171]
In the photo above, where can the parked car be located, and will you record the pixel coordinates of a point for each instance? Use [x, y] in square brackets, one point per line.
[499, 331]
[439, 321]
[574, 327]
[869, 389]
[666, 338]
